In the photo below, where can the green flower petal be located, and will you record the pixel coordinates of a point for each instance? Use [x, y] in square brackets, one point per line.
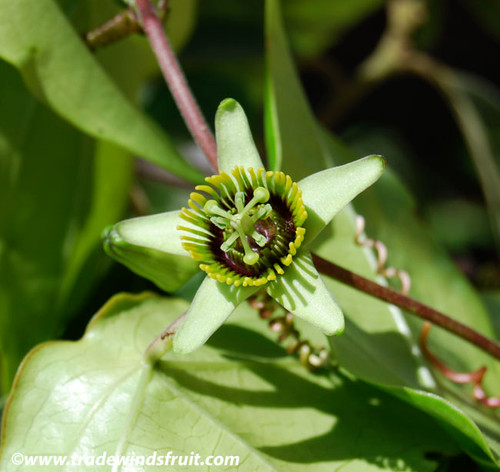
[156, 232]
[326, 193]
[212, 304]
[235, 145]
[151, 247]
[302, 291]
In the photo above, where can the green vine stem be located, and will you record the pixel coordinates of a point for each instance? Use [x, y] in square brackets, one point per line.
[201, 133]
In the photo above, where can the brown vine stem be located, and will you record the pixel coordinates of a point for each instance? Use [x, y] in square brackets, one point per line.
[119, 27]
[409, 304]
[115, 29]
[175, 79]
[202, 134]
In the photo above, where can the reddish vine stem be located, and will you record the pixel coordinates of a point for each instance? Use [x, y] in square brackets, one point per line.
[409, 304]
[204, 137]
[175, 79]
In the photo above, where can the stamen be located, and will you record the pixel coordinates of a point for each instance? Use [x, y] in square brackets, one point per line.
[262, 213]
[241, 223]
[250, 257]
[260, 239]
[230, 242]
[260, 195]
[219, 221]
[239, 201]
[213, 208]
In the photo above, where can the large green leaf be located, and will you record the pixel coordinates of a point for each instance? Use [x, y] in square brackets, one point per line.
[376, 343]
[37, 39]
[107, 201]
[55, 197]
[292, 140]
[130, 64]
[238, 396]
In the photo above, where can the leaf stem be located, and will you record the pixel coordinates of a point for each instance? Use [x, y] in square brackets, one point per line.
[176, 80]
[409, 304]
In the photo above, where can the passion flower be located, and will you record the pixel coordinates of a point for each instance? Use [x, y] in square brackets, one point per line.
[246, 228]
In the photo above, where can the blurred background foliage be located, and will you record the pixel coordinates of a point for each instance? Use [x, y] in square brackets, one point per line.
[379, 106]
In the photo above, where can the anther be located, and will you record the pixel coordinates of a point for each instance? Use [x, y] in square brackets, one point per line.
[261, 194]
[241, 224]
[213, 208]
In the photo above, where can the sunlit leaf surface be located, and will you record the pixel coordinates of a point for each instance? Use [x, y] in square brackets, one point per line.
[232, 397]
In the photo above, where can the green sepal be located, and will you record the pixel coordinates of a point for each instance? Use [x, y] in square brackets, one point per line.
[235, 144]
[327, 192]
[212, 304]
[150, 246]
[302, 292]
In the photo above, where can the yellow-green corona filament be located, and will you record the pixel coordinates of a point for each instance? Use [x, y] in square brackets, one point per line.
[244, 227]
